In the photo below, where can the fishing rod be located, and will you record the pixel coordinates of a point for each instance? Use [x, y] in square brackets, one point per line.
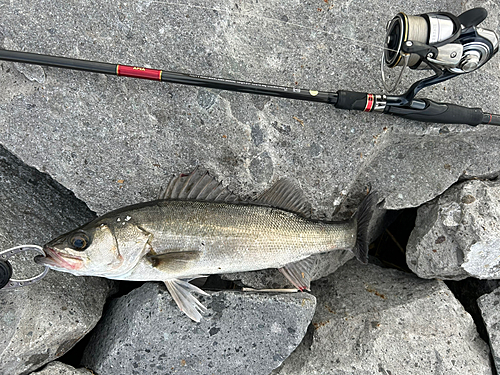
[446, 44]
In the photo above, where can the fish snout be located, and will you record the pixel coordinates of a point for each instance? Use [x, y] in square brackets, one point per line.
[55, 259]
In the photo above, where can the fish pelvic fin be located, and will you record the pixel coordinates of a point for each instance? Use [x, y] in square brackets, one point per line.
[180, 290]
[363, 218]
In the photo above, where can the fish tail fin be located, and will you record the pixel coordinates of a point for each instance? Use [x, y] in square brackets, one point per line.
[363, 217]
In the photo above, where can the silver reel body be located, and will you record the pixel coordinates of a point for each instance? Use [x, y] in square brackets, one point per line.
[439, 41]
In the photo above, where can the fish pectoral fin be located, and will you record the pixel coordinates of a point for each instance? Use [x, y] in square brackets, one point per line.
[180, 290]
[174, 261]
[299, 273]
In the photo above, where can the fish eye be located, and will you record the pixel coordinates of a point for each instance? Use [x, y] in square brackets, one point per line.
[79, 241]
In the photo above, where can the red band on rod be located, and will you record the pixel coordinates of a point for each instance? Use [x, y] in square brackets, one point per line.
[138, 72]
[370, 99]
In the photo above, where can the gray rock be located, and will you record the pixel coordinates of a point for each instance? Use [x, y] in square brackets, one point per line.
[491, 316]
[39, 323]
[411, 169]
[58, 368]
[371, 320]
[144, 332]
[457, 235]
[114, 141]
[467, 292]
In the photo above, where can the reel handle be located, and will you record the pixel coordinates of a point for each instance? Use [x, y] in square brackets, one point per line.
[473, 17]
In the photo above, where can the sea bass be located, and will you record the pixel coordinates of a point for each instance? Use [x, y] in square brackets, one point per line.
[197, 227]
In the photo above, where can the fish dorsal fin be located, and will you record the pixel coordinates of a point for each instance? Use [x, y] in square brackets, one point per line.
[285, 195]
[198, 185]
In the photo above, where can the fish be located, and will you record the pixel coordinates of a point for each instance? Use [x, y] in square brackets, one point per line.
[197, 227]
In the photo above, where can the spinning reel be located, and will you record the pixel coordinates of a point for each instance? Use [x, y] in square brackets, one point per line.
[447, 44]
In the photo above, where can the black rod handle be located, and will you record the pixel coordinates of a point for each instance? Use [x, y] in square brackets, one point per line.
[444, 113]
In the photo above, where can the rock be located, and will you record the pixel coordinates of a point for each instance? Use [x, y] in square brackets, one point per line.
[457, 235]
[488, 304]
[371, 320]
[114, 141]
[467, 292]
[411, 169]
[40, 322]
[144, 332]
[58, 368]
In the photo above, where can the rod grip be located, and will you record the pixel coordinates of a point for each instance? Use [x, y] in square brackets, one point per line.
[444, 113]
[351, 100]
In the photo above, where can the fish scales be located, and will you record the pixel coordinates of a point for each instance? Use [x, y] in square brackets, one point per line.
[235, 237]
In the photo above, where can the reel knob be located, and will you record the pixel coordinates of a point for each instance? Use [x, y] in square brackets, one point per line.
[5, 273]
[469, 62]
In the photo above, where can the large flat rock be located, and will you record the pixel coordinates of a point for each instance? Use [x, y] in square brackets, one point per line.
[41, 322]
[114, 141]
[145, 332]
[371, 320]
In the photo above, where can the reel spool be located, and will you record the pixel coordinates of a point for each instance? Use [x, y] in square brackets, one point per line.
[439, 41]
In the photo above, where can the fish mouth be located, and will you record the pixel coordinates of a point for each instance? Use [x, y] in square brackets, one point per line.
[55, 259]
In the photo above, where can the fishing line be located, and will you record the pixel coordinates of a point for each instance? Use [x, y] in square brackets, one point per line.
[275, 20]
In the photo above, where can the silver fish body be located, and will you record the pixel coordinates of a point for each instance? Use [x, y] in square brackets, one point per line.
[216, 237]
[199, 228]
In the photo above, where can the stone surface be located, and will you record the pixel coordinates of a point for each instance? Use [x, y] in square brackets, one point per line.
[491, 316]
[114, 141]
[458, 234]
[467, 292]
[58, 368]
[371, 320]
[39, 323]
[144, 332]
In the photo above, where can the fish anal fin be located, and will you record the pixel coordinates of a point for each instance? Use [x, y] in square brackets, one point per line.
[285, 195]
[174, 261]
[198, 185]
[299, 273]
[180, 290]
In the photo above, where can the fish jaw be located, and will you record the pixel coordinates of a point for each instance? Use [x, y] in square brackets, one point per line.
[59, 261]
